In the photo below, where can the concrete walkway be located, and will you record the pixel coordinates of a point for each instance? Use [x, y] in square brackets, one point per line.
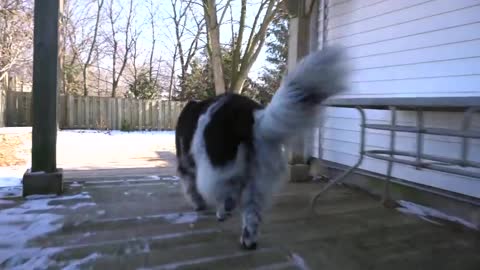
[142, 221]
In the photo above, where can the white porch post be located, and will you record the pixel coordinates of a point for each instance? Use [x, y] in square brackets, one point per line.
[302, 40]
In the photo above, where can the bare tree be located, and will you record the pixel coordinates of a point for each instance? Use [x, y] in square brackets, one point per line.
[214, 46]
[152, 12]
[172, 74]
[16, 35]
[79, 23]
[119, 56]
[93, 44]
[134, 55]
[244, 53]
[182, 14]
[242, 64]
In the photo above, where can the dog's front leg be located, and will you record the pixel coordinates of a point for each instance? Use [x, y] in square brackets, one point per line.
[225, 208]
[253, 201]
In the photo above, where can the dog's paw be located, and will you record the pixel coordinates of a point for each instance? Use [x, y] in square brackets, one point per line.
[222, 215]
[247, 240]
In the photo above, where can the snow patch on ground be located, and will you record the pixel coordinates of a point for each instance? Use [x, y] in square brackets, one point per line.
[81, 205]
[298, 261]
[10, 192]
[427, 213]
[182, 218]
[171, 178]
[154, 177]
[119, 133]
[11, 181]
[27, 221]
[31, 258]
[11, 176]
[76, 184]
[77, 264]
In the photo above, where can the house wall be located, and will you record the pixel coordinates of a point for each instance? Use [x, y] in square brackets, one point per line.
[404, 48]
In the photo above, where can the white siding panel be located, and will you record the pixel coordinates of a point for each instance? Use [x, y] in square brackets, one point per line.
[443, 86]
[462, 50]
[409, 14]
[433, 119]
[379, 9]
[409, 48]
[456, 35]
[332, 138]
[441, 68]
[426, 25]
[350, 6]
[462, 185]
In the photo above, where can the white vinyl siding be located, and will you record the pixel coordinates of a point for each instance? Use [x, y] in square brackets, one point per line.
[408, 48]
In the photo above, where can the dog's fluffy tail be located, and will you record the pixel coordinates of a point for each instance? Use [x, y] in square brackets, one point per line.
[295, 105]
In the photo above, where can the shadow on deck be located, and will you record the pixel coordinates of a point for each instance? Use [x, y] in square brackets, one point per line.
[142, 221]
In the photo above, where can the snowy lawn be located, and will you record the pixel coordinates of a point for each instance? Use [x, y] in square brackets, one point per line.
[89, 150]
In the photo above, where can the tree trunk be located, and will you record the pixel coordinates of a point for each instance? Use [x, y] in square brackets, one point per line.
[213, 30]
[172, 74]
[92, 47]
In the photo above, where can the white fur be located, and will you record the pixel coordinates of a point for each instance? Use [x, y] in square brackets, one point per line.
[270, 167]
[268, 171]
[208, 176]
[322, 72]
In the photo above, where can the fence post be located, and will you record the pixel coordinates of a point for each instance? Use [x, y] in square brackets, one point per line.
[120, 114]
[111, 115]
[69, 111]
[148, 112]
[3, 105]
[141, 113]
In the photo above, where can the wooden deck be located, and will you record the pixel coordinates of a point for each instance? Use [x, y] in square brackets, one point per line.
[143, 223]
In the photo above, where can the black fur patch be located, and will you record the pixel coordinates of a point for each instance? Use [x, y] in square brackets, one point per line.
[186, 126]
[230, 126]
[186, 165]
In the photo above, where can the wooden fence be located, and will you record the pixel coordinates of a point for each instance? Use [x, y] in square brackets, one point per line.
[79, 112]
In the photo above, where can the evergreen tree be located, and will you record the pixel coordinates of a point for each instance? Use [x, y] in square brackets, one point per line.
[198, 83]
[277, 53]
[143, 87]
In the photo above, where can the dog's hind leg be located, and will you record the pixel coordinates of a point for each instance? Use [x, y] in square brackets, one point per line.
[225, 208]
[228, 197]
[186, 169]
[191, 193]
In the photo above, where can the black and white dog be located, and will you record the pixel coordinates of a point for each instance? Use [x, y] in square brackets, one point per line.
[230, 149]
